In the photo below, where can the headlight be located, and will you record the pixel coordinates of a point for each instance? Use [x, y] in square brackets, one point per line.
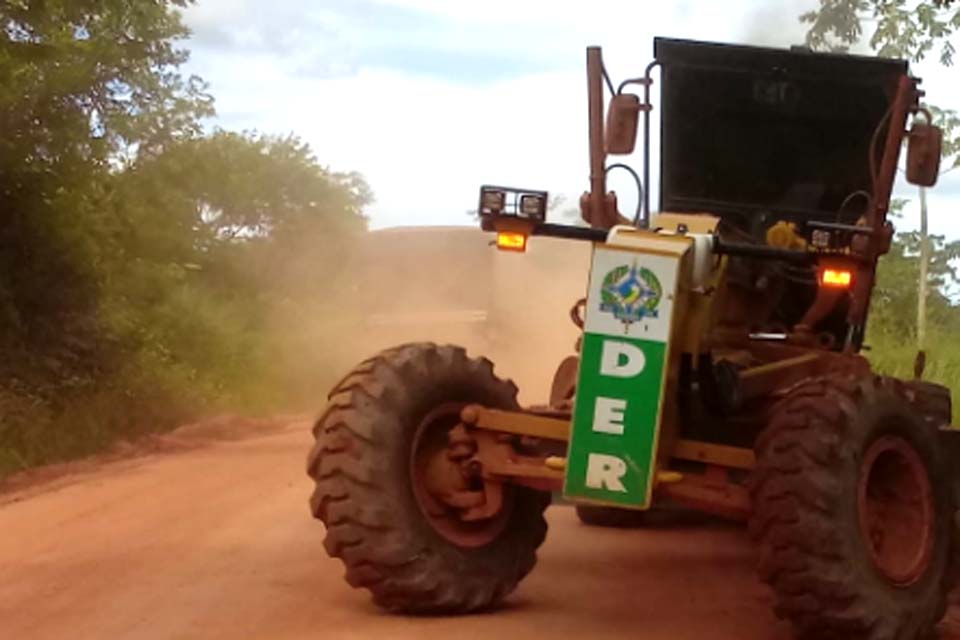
[821, 239]
[492, 202]
[533, 206]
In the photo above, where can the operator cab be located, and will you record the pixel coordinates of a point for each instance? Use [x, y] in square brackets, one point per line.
[782, 145]
[794, 153]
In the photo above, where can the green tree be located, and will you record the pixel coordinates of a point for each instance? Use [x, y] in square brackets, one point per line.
[898, 28]
[83, 84]
[140, 260]
[220, 231]
[237, 188]
[896, 290]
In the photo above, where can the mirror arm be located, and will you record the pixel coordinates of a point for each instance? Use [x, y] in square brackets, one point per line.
[645, 221]
[641, 81]
[925, 112]
[641, 189]
[606, 79]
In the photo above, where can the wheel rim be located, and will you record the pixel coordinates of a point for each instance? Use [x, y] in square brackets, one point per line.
[429, 459]
[895, 503]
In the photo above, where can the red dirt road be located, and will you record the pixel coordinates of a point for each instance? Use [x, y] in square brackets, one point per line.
[217, 542]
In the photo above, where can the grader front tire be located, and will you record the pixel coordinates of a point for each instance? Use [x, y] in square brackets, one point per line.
[413, 556]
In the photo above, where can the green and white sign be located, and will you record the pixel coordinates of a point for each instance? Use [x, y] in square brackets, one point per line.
[616, 419]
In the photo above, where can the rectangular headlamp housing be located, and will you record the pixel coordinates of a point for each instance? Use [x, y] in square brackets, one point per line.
[511, 202]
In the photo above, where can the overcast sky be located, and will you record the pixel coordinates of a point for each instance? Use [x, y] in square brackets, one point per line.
[428, 99]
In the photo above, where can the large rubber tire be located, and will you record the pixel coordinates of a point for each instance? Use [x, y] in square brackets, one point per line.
[364, 494]
[806, 497]
[932, 401]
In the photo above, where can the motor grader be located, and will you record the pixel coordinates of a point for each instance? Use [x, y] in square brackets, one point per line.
[718, 368]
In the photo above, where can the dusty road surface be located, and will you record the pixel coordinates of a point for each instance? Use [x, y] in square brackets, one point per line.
[217, 542]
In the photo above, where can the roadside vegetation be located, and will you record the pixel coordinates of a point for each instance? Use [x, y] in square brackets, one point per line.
[150, 269]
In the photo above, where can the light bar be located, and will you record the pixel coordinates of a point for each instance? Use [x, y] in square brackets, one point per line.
[510, 202]
[511, 241]
[839, 278]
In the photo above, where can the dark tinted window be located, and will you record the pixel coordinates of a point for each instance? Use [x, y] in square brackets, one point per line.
[747, 129]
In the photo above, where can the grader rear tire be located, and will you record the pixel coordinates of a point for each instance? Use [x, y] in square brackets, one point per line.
[853, 512]
[411, 554]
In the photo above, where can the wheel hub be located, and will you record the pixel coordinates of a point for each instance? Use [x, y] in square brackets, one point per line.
[896, 510]
[457, 501]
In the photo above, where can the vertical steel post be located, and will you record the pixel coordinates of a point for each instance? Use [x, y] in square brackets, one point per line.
[598, 178]
[904, 102]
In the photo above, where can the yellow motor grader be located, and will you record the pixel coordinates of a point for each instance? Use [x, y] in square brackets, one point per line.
[718, 369]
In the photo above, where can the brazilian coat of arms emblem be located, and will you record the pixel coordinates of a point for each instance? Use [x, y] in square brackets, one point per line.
[631, 293]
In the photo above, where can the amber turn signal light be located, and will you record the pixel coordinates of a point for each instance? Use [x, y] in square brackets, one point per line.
[840, 278]
[511, 241]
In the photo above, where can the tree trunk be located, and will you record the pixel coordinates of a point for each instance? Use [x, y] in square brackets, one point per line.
[924, 262]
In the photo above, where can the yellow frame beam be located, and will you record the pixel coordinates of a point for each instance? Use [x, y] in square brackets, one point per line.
[709, 453]
[537, 426]
[517, 423]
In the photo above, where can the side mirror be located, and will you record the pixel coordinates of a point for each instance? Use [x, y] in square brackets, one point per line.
[924, 144]
[622, 118]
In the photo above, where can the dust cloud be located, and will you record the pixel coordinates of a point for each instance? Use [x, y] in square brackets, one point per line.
[449, 285]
